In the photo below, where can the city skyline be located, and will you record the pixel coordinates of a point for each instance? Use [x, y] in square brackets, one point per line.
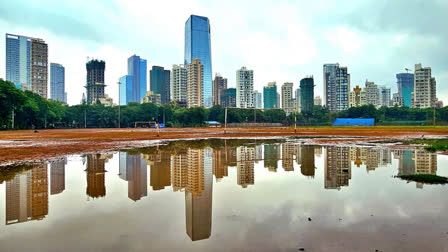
[297, 46]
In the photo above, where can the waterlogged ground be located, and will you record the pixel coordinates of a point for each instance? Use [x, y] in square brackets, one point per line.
[224, 195]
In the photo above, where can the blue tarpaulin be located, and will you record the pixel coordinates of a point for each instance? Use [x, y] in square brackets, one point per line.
[161, 125]
[354, 122]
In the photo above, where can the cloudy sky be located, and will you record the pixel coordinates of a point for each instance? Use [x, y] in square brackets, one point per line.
[280, 40]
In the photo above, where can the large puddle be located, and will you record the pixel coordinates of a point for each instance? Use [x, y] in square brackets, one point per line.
[227, 195]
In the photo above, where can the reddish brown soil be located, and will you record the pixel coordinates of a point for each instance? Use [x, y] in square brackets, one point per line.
[26, 145]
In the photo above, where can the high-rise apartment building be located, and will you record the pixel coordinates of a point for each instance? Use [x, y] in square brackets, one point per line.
[198, 46]
[336, 87]
[257, 99]
[95, 80]
[244, 88]
[405, 84]
[39, 67]
[270, 96]
[160, 83]
[397, 100]
[178, 84]
[18, 61]
[57, 82]
[357, 97]
[219, 84]
[137, 70]
[385, 100]
[195, 83]
[372, 93]
[307, 94]
[424, 95]
[287, 97]
[228, 98]
[27, 63]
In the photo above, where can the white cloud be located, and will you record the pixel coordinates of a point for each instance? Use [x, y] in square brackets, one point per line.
[347, 40]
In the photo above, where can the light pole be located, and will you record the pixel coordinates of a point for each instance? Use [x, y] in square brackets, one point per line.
[119, 105]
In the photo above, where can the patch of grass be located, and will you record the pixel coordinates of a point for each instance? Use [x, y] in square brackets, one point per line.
[432, 145]
[425, 178]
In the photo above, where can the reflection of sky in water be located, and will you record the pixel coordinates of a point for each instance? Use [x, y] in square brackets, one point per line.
[252, 206]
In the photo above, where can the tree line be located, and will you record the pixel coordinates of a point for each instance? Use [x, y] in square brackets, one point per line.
[26, 110]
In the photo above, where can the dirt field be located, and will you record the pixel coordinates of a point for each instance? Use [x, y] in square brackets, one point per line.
[16, 146]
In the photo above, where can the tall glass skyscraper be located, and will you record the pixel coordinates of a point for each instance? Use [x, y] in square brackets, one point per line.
[160, 83]
[126, 89]
[405, 83]
[137, 69]
[18, 60]
[57, 82]
[197, 46]
[307, 94]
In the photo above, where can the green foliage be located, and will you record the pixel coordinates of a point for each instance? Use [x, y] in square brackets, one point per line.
[32, 111]
[425, 178]
[431, 145]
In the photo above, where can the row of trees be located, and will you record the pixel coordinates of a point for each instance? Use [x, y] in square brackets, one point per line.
[26, 110]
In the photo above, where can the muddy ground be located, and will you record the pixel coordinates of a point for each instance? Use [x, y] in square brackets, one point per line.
[28, 145]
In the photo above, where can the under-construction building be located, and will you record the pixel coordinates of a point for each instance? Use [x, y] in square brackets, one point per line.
[95, 80]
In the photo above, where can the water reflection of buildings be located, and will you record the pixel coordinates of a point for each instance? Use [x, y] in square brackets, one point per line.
[288, 151]
[307, 167]
[96, 174]
[198, 194]
[220, 169]
[337, 167]
[179, 170]
[133, 169]
[27, 196]
[160, 164]
[416, 162]
[189, 170]
[245, 157]
[271, 157]
[372, 158]
[57, 176]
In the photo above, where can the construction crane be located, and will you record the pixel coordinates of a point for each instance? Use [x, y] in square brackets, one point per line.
[407, 70]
